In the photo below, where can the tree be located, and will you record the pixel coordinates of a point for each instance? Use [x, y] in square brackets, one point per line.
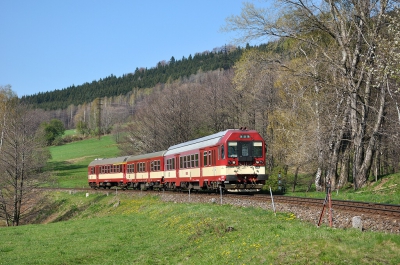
[346, 35]
[52, 130]
[22, 155]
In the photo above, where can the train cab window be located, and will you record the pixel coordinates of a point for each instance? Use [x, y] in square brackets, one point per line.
[92, 170]
[232, 149]
[222, 152]
[245, 149]
[257, 149]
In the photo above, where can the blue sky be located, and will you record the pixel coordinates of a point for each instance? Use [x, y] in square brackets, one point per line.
[53, 44]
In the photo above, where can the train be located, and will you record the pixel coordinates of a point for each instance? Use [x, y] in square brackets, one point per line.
[230, 161]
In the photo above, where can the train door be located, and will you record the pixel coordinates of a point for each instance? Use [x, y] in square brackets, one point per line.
[97, 170]
[148, 168]
[123, 168]
[202, 162]
[177, 166]
[213, 160]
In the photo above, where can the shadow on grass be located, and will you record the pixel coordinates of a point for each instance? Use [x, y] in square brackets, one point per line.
[61, 210]
[64, 168]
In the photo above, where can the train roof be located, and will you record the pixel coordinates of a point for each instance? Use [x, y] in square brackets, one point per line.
[209, 140]
[107, 161]
[145, 156]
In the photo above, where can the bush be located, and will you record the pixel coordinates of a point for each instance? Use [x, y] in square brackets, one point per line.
[276, 184]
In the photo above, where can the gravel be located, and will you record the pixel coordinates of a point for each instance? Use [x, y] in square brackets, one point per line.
[340, 219]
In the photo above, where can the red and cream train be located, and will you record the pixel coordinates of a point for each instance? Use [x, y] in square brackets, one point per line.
[233, 160]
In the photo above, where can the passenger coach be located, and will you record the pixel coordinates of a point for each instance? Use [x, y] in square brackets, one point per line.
[232, 160]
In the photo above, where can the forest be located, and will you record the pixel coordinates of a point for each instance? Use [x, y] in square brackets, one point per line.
[323, 92]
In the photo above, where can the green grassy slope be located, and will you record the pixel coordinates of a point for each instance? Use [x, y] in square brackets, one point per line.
[69, 162]
[137, 229]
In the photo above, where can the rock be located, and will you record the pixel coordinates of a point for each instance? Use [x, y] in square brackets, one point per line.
[357, 222]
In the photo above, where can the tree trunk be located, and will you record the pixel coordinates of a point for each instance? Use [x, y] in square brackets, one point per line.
[344, 170]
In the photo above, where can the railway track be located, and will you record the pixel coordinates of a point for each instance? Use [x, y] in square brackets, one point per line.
[387, 210]
[356, 207]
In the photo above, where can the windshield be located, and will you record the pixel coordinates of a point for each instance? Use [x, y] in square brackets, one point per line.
[245, 149]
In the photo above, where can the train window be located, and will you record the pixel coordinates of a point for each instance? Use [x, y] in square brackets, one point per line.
[209, 158]
[155, 165]
[192, 160]
[92, 170]
[131, 168]
[257, 149]
[188, 161]
[196, 159]
[222, 152]
[172, 163]
[232, 149]
[140, 167]
[205, 158]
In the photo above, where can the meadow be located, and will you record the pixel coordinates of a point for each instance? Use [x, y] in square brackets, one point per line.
[122, 228]
[69, 162]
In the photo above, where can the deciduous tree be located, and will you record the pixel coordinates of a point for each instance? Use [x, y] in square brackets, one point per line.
[346, 35]
[22, 155]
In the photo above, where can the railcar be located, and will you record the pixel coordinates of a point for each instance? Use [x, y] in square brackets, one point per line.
[106, 173]
[232, 160]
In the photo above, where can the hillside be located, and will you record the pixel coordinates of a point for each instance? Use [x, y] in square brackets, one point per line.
[223, 57]
[105, 228]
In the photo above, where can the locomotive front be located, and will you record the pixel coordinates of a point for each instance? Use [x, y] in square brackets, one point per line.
[243, 154]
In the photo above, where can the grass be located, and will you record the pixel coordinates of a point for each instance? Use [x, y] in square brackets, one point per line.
[385, 190]
[145, 230]
[69, 162]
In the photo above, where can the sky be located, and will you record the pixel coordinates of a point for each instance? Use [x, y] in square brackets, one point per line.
[53, 44]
